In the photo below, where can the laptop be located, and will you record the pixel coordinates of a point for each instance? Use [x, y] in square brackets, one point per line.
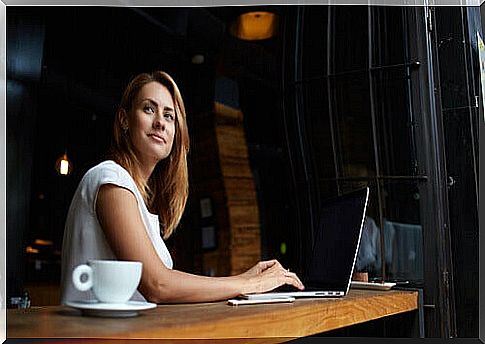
[328, 271]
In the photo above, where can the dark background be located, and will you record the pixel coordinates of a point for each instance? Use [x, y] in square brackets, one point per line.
[340, 96]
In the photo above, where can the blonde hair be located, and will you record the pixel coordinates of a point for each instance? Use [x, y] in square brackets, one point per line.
[166, 191]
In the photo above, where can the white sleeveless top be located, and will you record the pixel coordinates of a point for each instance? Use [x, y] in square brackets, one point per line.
[83, 236]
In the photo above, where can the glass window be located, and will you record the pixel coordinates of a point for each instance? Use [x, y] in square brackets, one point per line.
[314, 41]
[315, 95]
[387, 27]
[395, 125]
[351, 111]
[349, 38]
[402, 230]
[360, 129]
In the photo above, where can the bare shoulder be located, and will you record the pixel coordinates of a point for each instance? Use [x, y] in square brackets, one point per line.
[119, 216]
[109, 189]
[115, 199]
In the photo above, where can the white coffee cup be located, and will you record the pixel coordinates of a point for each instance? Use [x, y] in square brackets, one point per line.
[112, 281]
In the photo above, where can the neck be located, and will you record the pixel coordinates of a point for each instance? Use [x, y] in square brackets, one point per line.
[146, 169]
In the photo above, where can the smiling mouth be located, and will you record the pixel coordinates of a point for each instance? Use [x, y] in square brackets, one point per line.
[157, 138]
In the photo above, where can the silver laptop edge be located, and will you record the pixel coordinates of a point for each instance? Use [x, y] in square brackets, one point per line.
[276, 295]
[358, 242]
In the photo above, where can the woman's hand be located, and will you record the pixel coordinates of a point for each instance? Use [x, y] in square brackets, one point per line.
[260, 267]
[268, 275]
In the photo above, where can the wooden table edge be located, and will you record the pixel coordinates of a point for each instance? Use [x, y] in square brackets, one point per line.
[311, 318]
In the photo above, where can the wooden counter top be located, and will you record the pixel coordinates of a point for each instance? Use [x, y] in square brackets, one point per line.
[215, 320]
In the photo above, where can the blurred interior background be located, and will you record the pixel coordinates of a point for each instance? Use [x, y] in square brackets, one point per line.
[287, 106]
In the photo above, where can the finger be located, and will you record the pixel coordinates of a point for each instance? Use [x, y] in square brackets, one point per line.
[277, 263]
[294, 278]
[267, 264]
[287, 279]
[294, 282]
[274, 263]
[276, 267]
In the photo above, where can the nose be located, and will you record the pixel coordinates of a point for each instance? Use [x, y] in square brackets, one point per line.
[158, 123]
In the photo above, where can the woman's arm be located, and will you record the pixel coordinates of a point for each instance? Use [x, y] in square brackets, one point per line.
[118, 214]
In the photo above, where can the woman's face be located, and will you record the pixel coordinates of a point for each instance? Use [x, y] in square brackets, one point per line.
[151, 123]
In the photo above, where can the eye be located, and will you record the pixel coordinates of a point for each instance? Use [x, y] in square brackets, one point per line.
[169, 115]
[149, 109]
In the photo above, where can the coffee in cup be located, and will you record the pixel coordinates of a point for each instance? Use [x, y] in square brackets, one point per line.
[112, 281]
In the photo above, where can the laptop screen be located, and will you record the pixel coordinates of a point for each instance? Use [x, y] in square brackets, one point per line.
[336, 242]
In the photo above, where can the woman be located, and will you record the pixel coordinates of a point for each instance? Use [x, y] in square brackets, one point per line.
[122, 204]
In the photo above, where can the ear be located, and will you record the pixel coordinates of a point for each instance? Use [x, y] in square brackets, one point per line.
[123, 119]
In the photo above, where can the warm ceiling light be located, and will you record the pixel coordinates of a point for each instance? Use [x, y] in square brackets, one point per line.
[63, 165]
[30, 249]
[43, 242]
[255, 26]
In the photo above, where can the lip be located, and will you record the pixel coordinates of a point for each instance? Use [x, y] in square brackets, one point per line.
[157, 138]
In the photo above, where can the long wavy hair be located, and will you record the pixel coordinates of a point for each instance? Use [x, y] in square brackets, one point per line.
[166, 191]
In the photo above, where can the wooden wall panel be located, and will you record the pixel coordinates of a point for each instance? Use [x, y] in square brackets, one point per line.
[222, 173]
[240, 190]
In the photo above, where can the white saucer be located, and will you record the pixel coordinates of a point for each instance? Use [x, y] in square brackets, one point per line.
[101, 309]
